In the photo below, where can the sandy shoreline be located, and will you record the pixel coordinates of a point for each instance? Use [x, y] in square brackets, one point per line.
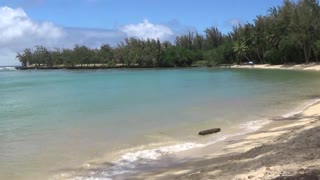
[310, 67]
[286, 148]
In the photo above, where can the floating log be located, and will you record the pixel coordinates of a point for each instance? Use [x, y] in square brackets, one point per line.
[209, 131]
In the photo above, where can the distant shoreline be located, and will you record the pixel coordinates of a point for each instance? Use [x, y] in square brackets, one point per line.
[85, 67]
[68, 67]
[308, 67]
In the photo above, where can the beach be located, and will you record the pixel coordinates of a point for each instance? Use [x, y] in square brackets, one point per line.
[311, 66]
[118, 124]
[89, 96]
[286, 148]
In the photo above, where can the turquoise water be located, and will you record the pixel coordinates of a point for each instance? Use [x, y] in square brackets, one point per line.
[54, 122]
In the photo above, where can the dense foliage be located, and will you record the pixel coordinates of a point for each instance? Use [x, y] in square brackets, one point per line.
[287, 34]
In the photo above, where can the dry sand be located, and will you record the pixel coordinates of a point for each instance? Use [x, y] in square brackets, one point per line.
[284, 149]
[314, 67]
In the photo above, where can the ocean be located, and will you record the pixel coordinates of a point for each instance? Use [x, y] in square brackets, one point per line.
[98, 124]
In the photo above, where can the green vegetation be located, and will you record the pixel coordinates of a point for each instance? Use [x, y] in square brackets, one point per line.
[288, 34]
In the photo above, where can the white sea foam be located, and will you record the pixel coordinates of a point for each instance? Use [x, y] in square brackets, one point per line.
[244, 128]
[7, 68]
[130, 160]
[252, 126]
[301, 108]
[154, 154]
[139, 156]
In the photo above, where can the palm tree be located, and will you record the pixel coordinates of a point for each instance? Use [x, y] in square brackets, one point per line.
[240, 48]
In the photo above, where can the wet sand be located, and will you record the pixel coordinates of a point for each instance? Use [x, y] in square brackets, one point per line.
[286, 148]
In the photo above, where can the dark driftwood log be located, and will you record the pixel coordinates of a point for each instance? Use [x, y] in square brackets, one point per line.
[209, 131]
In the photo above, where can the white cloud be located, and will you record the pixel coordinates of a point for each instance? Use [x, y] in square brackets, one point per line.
[15, 24]
[147, 30]
[19, 31]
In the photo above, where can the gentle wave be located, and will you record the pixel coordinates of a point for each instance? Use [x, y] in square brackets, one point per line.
[138, 156]
[301, 108]
[7, 68]
[253, 126]
[130, 160]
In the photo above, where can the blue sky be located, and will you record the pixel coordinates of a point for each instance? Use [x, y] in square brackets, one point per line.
[107, 14]
[63, 23]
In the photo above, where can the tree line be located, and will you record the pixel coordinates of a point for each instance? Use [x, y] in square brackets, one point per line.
[287, 34]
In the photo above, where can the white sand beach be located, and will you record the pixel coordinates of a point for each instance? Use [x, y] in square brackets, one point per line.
[312, 66]
[287, 148]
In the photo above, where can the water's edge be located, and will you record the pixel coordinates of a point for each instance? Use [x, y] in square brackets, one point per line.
[136, 159]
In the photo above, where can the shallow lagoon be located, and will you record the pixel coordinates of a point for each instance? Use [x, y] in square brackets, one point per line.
[54, 121]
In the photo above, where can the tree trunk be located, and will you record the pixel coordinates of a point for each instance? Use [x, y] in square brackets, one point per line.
[306, 52]
[306, 58]
[246, 57]
[260, 59]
